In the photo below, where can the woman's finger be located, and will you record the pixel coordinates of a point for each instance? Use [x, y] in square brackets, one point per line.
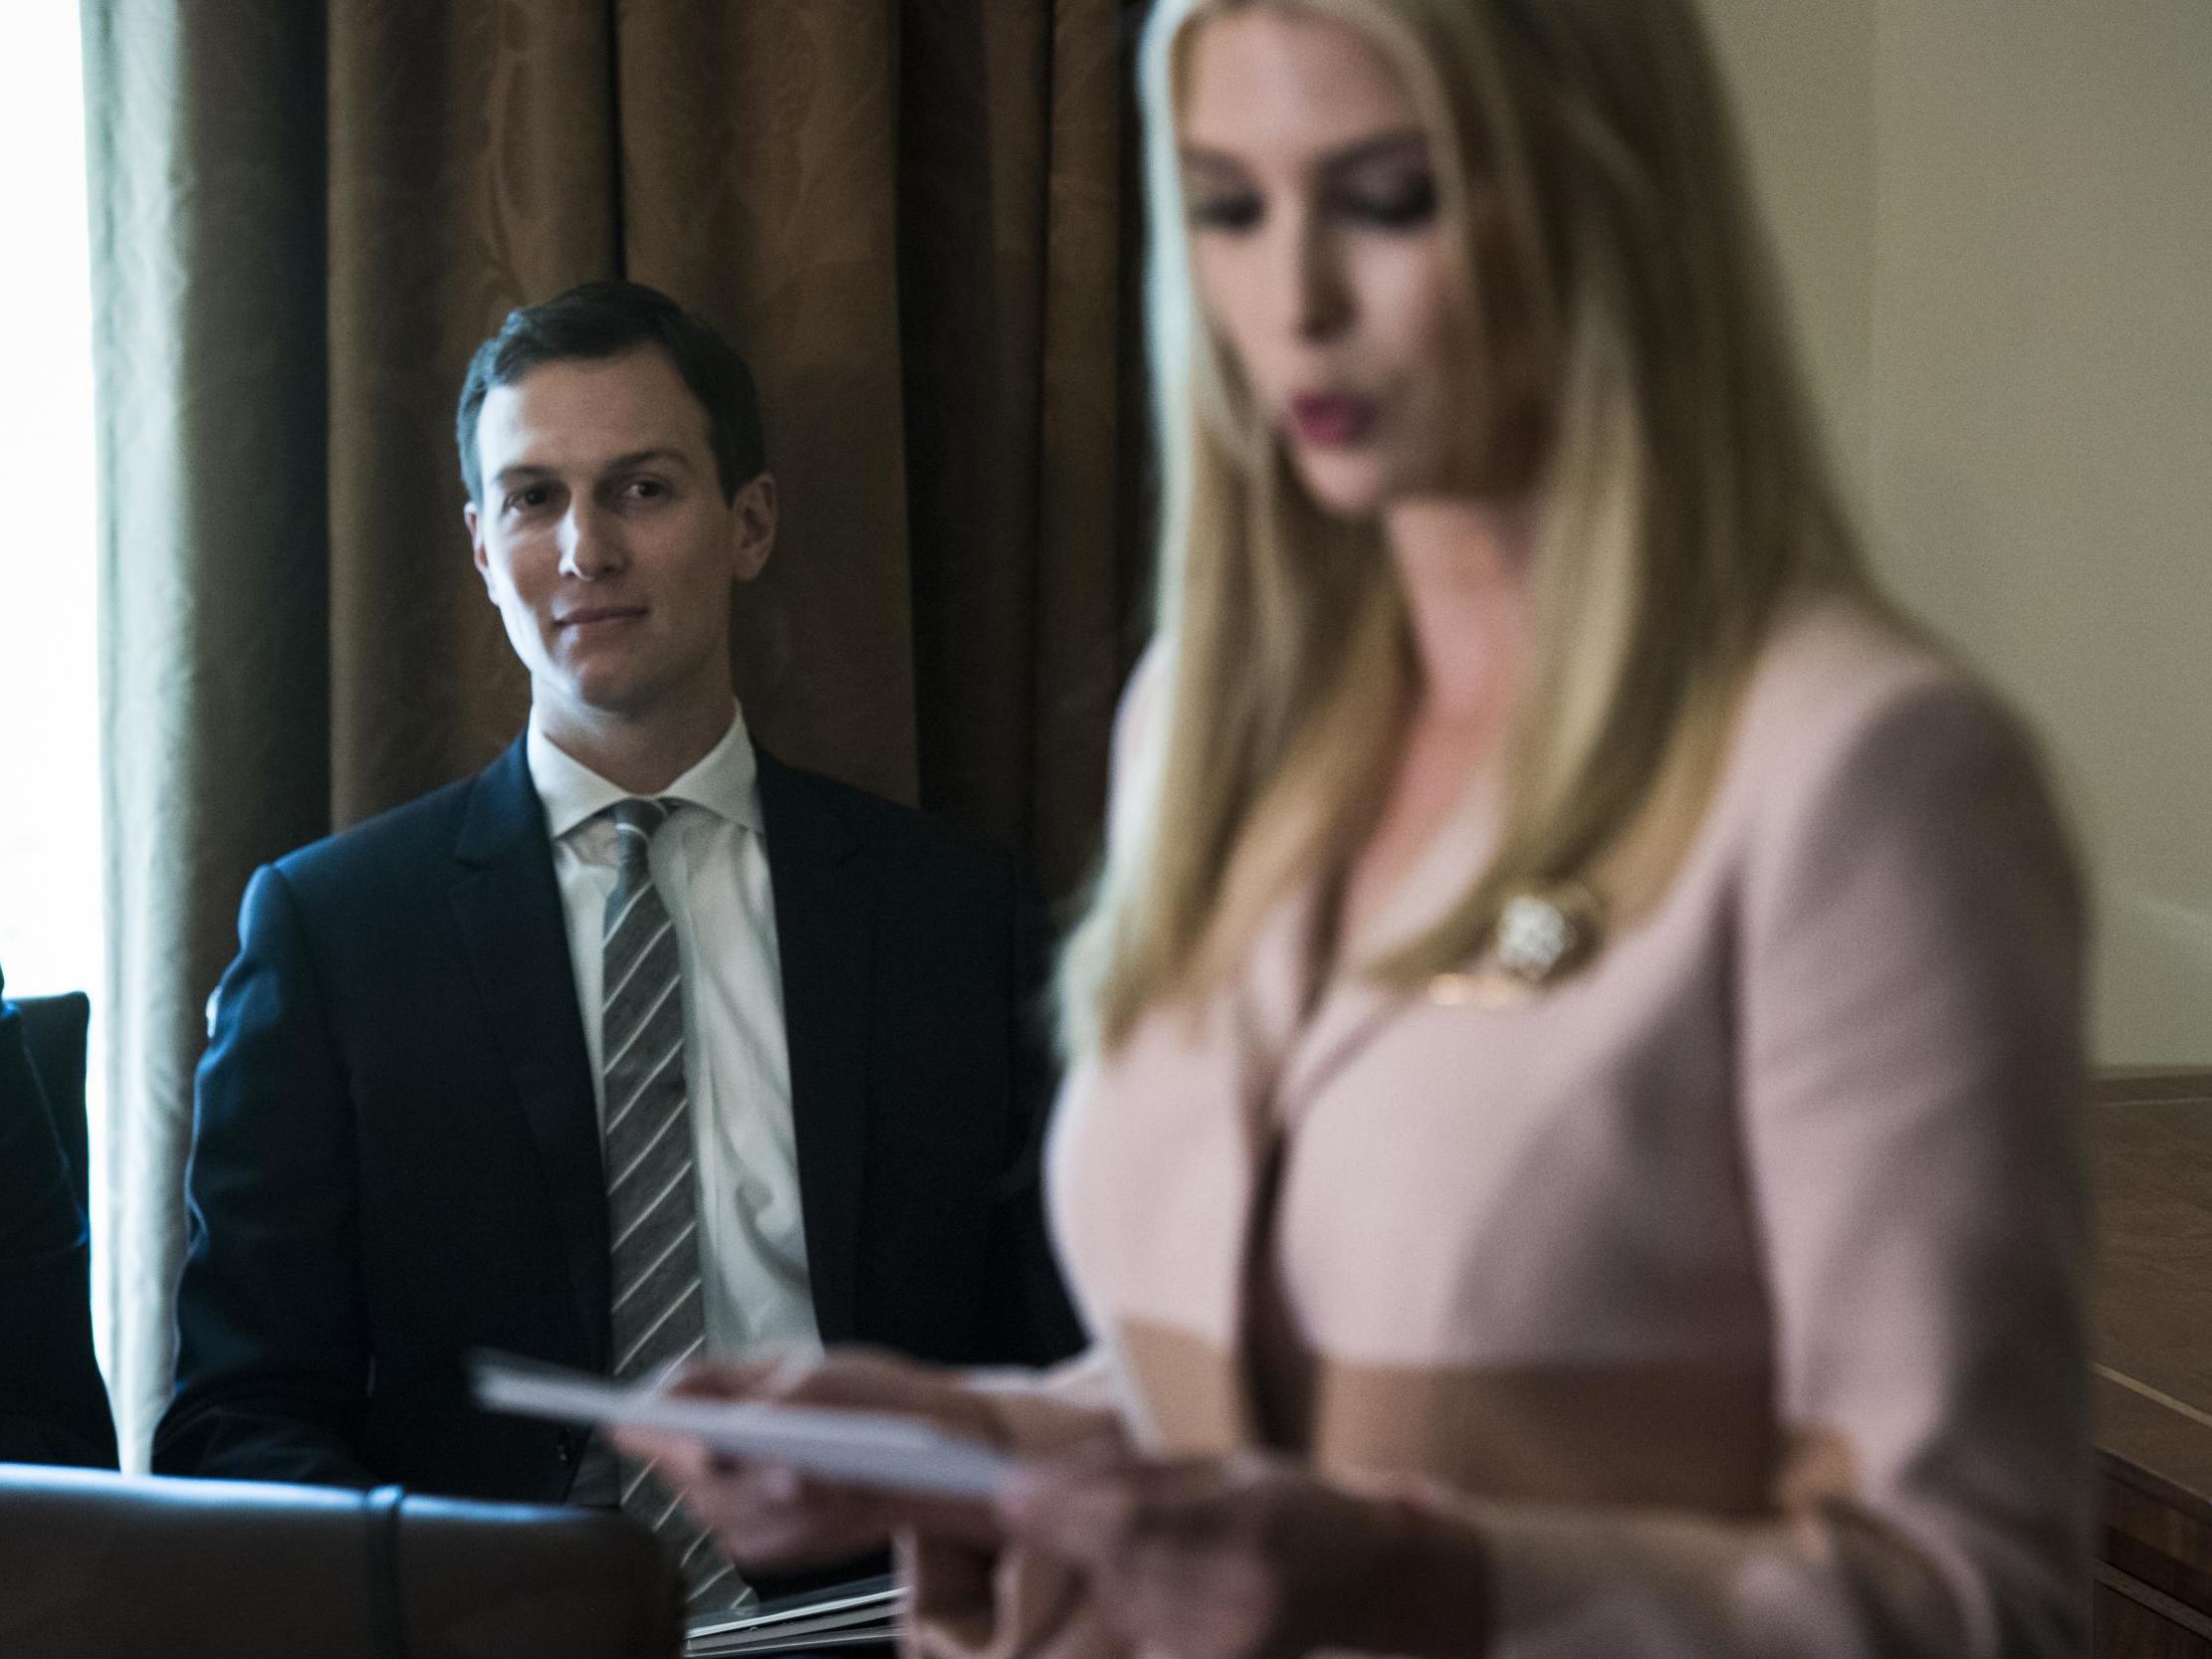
[1081, 1511]
[719, 1380]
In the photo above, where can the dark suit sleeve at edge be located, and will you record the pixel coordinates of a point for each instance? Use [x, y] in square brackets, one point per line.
[1035, 1324]
[272, 1356]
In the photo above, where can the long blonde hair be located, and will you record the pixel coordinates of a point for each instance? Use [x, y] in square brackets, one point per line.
[1620, 299]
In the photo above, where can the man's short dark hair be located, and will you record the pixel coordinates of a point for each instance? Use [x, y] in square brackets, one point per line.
[608, 320]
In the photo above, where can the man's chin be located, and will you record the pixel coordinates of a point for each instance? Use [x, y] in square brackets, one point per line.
[603, 696]
[618, 687]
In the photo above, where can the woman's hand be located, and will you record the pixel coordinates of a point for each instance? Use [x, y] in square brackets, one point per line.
[773, 1518]
[1249, 1557]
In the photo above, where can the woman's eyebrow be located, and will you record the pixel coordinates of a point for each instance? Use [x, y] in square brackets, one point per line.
[1407, 144]
[1198, 158]
[1399, 143]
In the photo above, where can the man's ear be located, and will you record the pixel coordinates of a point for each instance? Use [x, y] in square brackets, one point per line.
[753, 516]
[476, 542]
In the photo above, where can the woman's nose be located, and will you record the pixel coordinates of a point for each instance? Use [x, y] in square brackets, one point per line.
[1320, 299]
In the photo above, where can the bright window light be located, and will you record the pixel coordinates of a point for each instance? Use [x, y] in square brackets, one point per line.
[50, 840]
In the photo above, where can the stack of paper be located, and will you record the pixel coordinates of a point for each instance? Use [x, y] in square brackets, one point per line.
[848, 1615]
[863, 1448]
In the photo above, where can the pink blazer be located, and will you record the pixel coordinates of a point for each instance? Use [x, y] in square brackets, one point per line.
[1731, 1291]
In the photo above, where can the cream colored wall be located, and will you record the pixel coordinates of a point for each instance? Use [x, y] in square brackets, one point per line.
[1997, 219]
[1802, 72]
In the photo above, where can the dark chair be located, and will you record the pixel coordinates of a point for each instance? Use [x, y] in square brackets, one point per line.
[54, 1030]
[52, 1404]
[95, 1565]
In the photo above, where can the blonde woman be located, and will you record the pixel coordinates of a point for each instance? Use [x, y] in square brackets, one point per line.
[1566, 1148]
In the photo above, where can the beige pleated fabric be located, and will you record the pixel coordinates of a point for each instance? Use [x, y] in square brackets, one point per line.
[912, 220]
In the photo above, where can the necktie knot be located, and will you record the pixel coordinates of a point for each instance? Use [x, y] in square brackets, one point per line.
[636, 822]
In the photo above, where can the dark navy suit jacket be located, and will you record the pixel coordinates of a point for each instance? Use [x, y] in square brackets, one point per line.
[396, 1150]
[52, 1405]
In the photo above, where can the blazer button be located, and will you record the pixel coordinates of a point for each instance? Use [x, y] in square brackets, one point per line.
[571, 1444]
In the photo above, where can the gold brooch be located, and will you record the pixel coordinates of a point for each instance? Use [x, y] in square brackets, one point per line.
[1542, 935]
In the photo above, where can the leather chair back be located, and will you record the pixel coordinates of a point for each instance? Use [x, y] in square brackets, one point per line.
[54, 1031]
[99, 1564]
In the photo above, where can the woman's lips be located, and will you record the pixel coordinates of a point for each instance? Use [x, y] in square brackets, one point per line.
[1331, 420]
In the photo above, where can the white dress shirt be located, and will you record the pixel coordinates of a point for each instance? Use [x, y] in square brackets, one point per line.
[710, 864]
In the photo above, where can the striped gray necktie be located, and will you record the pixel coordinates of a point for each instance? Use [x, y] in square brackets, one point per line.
[659, 1316]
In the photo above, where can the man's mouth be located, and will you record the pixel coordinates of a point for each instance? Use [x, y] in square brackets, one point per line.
[594, 614]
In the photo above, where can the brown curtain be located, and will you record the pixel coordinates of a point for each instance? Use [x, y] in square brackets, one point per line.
[913, 219]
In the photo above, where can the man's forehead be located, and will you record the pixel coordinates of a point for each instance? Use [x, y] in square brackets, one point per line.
[575, 413]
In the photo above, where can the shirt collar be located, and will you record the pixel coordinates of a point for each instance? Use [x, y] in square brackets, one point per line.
[725, 781]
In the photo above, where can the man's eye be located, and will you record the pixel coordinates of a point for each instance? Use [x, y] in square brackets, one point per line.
[647, 489]
[524, 500]
[1225, 213]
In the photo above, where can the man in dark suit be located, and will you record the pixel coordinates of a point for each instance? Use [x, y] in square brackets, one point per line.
[637, 1043]
[52, 1404]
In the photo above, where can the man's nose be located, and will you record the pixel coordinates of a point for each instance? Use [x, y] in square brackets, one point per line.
[591, 546]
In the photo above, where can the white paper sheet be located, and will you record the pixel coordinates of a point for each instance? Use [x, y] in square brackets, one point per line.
[863, 1611]
[865, 1448]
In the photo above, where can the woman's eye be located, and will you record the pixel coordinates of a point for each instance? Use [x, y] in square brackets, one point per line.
[1400, 207]
[1225, 213]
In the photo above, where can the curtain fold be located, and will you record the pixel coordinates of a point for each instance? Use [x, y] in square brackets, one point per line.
[761, 180]
[472, 167]
[910, 217]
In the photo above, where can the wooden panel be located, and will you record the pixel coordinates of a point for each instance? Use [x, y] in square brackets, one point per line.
[2132, 1622]
[2156, 1536]
[2151, 1161]
[2150, 1150]
[2145, 1085]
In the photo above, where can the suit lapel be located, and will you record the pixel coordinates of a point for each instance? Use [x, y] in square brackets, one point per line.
[824, 934]
[508, 907]
[1350, 1012]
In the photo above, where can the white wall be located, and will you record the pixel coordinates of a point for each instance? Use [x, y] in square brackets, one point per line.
[1997, 218]
[1803, 75]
